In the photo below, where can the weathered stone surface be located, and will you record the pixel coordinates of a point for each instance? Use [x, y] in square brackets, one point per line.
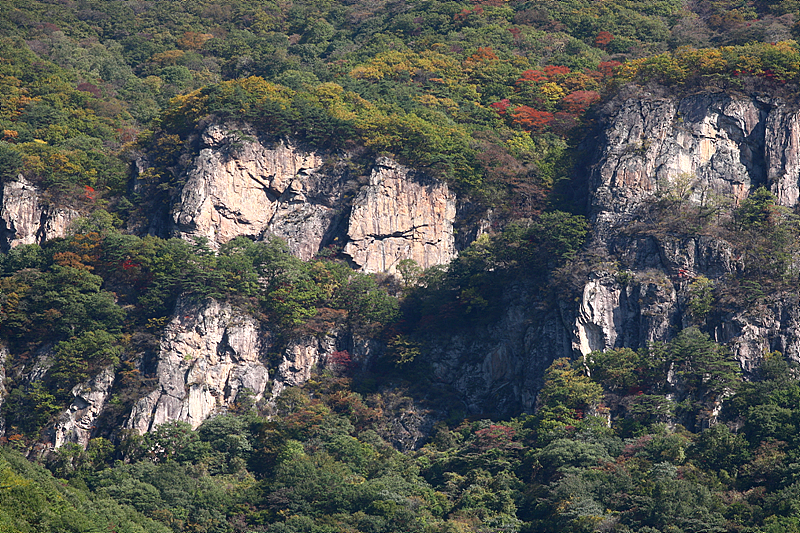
[715, 144]
[752, 333]
[77, 424]
[720, 144]
[300, 357]
[782, 155]
[209, 354]
[401, 215]
[239, 186]
[24, 219]
[616, 315]
[499, 369]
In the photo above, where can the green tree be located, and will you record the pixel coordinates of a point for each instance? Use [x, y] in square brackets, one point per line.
[80, 356]
[10, 162]
[566, 385]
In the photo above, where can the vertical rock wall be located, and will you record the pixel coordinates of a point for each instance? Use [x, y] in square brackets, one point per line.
[401, 216]
[210, 353]
[721, 144]
[239, 186]
[719, 147]
[77, 424]
[25, 219]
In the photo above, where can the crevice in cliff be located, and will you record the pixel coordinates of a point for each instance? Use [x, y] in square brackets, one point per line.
[401, 234]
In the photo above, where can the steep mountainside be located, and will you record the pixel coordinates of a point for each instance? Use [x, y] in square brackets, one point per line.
[697, 156]
[706, 152]
[426, 266]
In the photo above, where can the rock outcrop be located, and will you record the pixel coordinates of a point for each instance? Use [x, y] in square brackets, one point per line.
[300, 357]
[210, 355]
[712, 147]
[500, 368]
[752, 333]
[401, 215]
[717, 144]
[240, 186]
[25, 219]
[708, 147]
[77, 424]
[237, 186]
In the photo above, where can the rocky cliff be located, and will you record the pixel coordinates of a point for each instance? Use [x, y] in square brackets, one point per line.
[77, 424]
[704, 148]
[400, 215]
[238, 185]
[716, 144]
[26, 219]
[209, 355]
[632, 286]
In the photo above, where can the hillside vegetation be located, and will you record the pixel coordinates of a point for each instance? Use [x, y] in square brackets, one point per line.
[491, 96]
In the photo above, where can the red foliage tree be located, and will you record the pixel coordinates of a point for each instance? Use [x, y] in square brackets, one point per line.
[531, 119]
[602, 39]
[484, 53]
[563, 122]
[578, 101]
[496, 436]
[502, 106]
[607, 68]
[341, 360]
[534, 76]
[554, 72]
[90, 88]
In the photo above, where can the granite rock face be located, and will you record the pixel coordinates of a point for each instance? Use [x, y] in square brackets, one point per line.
[241, 186]
[500, 368]
[77, 424]
[713, 146]
[401, 215]
[720, 144]
[209, 355]
[237, 186]
[3, 359]
[212, 356]
[26, 219]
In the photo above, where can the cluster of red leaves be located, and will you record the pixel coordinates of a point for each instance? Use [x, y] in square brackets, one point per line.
[602, 39]
[465, 13]
[550, 73]
[531, 119]
[496, 436]
[341, 360]
[502, 106]
[90, 88]
[484, 53]
[578, 101]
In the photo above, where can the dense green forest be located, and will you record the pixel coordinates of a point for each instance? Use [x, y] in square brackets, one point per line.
[493, 97]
